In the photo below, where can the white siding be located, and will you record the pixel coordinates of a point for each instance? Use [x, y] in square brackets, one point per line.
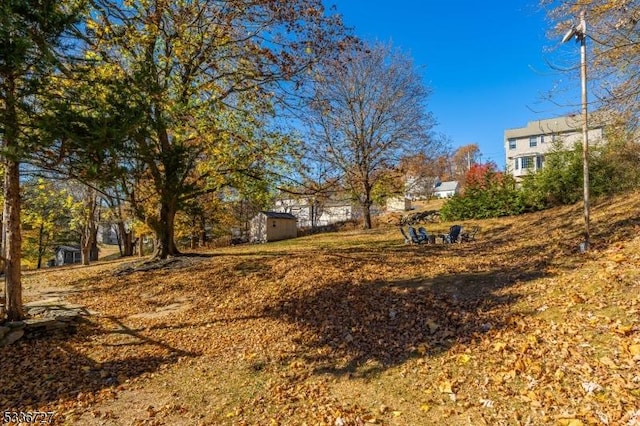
[530, 143]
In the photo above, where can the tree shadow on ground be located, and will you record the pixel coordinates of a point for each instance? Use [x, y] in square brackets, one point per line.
[361, 328]
[47, 371]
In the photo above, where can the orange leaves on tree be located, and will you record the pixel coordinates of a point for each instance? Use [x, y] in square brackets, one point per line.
[481, 176]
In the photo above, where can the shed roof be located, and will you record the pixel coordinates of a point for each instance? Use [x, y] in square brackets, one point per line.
[68, 248]
[279, 215]
[450, 185]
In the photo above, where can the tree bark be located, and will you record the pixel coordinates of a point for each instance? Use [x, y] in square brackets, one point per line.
[90, 230]
[165, 232]
[366, 213]
[13, 249]
[141, 246]
[203, 232]
[40, 245]
[11, 215]
[125, 238]
[194, 234]
[366, 205]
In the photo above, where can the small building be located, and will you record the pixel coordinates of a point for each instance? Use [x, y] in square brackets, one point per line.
[419, 187]
[445, 189]
[311, 212]
[67, 255]
[398, 204]
[107, 234]
[272, 226]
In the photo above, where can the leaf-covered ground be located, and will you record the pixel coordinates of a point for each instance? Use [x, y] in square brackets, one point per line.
[354, 328]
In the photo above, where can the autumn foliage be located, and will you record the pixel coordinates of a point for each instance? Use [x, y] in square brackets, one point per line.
[483, 176]
[487, 193]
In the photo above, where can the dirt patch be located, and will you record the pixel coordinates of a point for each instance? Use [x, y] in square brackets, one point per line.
[133, 407]
[180, 304]
[154, 264]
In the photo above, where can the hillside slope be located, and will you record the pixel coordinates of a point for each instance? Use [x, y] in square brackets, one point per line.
[354, 327]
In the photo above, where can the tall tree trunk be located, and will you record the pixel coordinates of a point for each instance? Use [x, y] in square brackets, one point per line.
[11, 214]
[141, 246]
[194, 234]
[85, 254]
[366, 213]
[90, 229]
[13, 248]
[366, 206]
[89, 250]
[125, 238]
[40, 245]
[203, 232]
[165, 232]
[313, 213]
[119, 238]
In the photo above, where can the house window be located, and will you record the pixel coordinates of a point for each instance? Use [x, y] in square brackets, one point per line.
[512, 143]
[533, 141]
[541, 139]
[527, 162]
[539, 162]
[517, 163]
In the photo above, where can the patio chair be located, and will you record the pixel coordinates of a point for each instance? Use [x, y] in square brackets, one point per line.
[418, 238]
[424, 236]
[453, 236]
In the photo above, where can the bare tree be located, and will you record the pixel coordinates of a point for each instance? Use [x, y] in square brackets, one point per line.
[368, 110]
[419, 174]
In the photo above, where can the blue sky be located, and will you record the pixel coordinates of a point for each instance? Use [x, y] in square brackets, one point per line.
[487, 62]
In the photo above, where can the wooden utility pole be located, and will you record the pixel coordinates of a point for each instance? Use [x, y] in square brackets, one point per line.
[580, 33]
[585, 126]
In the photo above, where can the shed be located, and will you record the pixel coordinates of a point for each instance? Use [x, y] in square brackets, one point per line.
[398, 204]
[66, 255]
[273, 226]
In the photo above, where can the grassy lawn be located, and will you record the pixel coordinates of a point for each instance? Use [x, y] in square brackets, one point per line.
[354, 327]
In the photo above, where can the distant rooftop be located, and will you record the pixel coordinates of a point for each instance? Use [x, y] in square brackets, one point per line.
[450, 185]
[279, 215]
[550, 126]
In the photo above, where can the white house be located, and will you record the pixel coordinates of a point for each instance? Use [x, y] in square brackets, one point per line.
[107, 233]
[419, 187]
[445, 189]
[312, 212]
[526, 147]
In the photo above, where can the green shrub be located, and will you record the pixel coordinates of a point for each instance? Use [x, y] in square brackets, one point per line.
[488, 193]
[612, 169]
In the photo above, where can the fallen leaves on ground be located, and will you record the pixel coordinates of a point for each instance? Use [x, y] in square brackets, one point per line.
[515, 328]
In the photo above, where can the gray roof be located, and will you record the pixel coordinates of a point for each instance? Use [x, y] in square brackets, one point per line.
[279, 215]
[557, 125]
[450, 185]
[68, 248]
